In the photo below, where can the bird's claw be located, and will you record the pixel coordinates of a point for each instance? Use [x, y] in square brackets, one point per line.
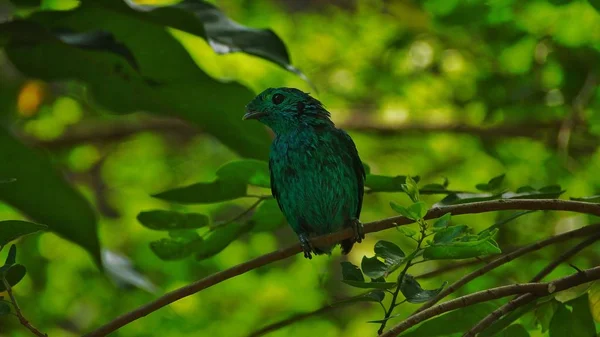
[359, 230]
[306, 246]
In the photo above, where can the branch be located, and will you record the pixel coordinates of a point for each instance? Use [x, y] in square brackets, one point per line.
[524, 299]
[22, 318]
[538, 289]
[331, 239]
[507, 258]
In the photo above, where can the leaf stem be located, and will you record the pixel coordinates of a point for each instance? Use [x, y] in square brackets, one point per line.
[18, 312]
[409, 263]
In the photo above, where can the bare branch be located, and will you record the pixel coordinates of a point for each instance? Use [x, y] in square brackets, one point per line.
[537, 289]
[331, 239]
[524, 299]
[507, 258]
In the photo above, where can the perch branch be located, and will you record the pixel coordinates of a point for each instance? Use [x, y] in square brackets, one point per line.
[330, 239]
[538, 289]
[526, 298]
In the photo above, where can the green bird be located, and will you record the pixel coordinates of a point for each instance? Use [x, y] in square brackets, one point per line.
[317, 176]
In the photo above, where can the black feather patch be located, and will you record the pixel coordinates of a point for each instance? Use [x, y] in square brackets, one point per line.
[300, 108]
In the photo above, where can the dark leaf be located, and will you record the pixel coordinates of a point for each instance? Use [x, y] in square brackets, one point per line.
[443, 221]
[4, 308]
[11, 258]
[465, 198]
[172, 84]
[220, 238]
[455, 322]
[205, 193]
[544, 313]
[373, 296]
[223, 34]
[174, 249]
[372, 267]
[582, 320]
[45, 196]
[527, 192]
[389, 252]
[432, 189]
[515, 330]
[13, 275]
[370, 285]
[13, 229]
[591, 198]
[501, 326]
[412, 291]
[561, 324]
[351, 272]
[492, 185]
[249, 171]
[171, 220]
[267, 217]
[450, 233]
[379, 183]
[367, 168]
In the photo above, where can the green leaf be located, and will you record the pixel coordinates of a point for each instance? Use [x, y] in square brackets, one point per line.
[411, 189]
[370, 285]
[492, 185]
[13, 229]
[419, 209]
[351, 272]
[175, 249]
[455, 322]
[502, 326]
[448, 234]
[367, 168]
[414, 212]
[4, 308]
[389, 252]
[591, 198]
[527, 192]
[267, 217]
[578, 323]
[171, 220]
[407, 231]
[465, 198]
[515, 330]
[220, 238]
[372, 267]
[544, 313]
[379, 183]
[594, 296]
[8, 181]
[414, 293]
[433, 189]
[171, 84]
[443, 221]
[13, 275]
[462, 250]
[205, 193]
[249, 171]
[42, 193]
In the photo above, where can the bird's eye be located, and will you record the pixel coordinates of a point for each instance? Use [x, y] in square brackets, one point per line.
[278, 98]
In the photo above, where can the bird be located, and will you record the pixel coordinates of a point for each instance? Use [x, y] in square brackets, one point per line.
[317, 176]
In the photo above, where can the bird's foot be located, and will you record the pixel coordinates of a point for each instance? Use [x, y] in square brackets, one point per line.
[359, 230]
[306, 246]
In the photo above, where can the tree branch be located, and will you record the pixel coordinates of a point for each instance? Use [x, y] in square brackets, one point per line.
[375, 226]
[538, 289]
[524, 299]
[18, 312]
[507, 258]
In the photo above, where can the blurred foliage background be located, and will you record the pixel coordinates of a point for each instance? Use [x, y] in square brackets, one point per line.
[463, 90]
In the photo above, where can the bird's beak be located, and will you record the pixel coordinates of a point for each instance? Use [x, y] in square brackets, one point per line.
[253, 115]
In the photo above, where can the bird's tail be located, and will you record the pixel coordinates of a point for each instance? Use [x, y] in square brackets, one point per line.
[347, 245]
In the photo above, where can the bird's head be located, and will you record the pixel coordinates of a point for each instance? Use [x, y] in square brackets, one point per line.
[284, 109]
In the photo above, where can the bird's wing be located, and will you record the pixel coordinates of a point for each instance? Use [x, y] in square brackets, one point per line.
[356, 164]
[274, 191]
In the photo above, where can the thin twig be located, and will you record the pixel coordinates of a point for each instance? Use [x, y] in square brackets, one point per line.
[241, 215]
[526, 298]
[331, 239]
[538, 289]
[507, 258]
[18, 312]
